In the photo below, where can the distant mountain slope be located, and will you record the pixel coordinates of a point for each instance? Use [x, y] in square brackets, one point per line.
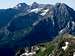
[6, 15]
[47, 23]
[39, 24]
[26, 25]
[23, 21]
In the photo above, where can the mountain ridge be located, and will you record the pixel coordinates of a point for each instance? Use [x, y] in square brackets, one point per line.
[25, 27]
[47, 23]
[57, 21]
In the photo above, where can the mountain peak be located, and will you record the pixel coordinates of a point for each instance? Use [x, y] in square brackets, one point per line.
[34, 5]
[22, 7]
[60, 4]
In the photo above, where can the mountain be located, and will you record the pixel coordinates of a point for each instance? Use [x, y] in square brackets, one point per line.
[59, 17]
[34, 5]
[23, 7]
[21, 22]
[37, 5]
[47, 23]
[6, 15]
[27, 25]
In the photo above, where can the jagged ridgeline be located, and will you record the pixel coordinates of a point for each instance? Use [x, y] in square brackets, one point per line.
[26, 25]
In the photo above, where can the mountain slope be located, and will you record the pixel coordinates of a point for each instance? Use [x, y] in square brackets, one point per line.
[6, 15]
[40, 24]
[57, 19]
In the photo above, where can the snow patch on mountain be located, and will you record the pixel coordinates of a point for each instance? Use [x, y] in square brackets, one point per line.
[66, 45]
[36, 10]
[73, 25]
[35, 23]
[44, 12]
[17, 6]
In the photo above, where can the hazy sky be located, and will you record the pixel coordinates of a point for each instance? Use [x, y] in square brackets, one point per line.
[11, 3]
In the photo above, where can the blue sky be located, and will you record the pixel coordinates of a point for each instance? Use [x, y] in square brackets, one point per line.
[12, 3]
